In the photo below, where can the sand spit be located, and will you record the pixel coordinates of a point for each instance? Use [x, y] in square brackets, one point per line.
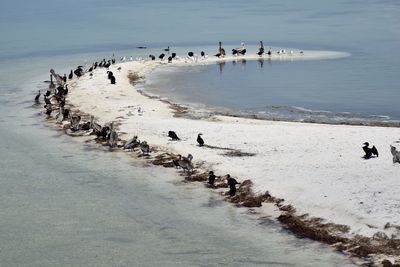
[310, 177]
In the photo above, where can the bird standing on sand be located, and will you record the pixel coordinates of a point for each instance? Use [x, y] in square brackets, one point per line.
[261, 49]
[145, 148]
[232, 185]
[71, 74]
[131, 144]
[173, 136]
[161, 56]
[185, 163]
[239, 51]
[221, 51]
[369, 151]
[211, 178]
[200, 140]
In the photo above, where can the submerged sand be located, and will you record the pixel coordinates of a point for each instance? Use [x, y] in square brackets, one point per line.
[317, 168]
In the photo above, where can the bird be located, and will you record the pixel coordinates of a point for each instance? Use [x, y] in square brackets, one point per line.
[185, 163]
[239, 50]
[66, 89]
[221, 51]
[37, 97]
[132, 144]
[90, 69]
[95, 126]
[113, 138]
[173, 55]
[261, 49]
[75, 122]
[161, 56]
[109, 74]
[369, 151]
[166, 49]
[169, 59]
[70, 75]
[112, 79]
[190, 54]
[145, 148]
[200, 140]
[232, 185]
[173, 136]
[152, 57]
[211, 178]
[119, 68]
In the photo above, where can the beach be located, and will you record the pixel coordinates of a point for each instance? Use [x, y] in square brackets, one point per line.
[316, 168]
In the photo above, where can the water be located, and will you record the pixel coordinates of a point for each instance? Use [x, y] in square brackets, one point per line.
[359, 88]
[64, 202]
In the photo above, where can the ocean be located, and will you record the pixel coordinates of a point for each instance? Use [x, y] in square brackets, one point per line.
[66, 202]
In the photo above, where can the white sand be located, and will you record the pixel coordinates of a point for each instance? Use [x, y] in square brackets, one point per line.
[316, 168]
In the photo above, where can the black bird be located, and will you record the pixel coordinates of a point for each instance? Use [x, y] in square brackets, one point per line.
[269, 52]
[48, 93]
[190, 54]
[110, 74]
[78, 72]
[261, 49]
[66, 89]
[46, 100]
[70, 75]
[232, 185]
[166, 49]
[369, 151]
[173, 136]
[202, 54]
[161, 56]
[200, 140]
[173, 55]
[64, 78]
[37, 97]
[211, 178]
[90, 69]
[169, 59]
[112, 79]
[107, 65]
[152, 57]
[141, 47]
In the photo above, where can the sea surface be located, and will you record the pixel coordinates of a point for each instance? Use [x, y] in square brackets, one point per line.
[67, 202]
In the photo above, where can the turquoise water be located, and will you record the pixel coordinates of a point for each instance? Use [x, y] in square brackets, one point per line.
[65, 203]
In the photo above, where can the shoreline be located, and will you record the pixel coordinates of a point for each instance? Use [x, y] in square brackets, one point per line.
[131, 121]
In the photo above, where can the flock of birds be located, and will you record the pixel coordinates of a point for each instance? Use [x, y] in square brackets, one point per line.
[55, 100]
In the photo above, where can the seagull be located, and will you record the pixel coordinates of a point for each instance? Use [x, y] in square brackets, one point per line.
[200, 140]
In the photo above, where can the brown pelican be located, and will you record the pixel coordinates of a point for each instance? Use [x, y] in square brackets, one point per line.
[239, 51]
[113, 136]
[221, 51]
[95, 126]
[200, 140]
[145, 148]
[75, 123]
[173, 136]
[132, 144]
[369, 151]
[185, 163]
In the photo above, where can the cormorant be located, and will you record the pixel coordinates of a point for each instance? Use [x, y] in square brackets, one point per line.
[190, 54]
[110, 74]
[169, 59]
[112, 79]
[221, 51]
[173, 55]
[152, 57]
[200, 140]
[161, 56]
[37, 97]
[166, 49]
[211, 178]
[70, 75]
[369, 151]
[232, 185]
[173, 136]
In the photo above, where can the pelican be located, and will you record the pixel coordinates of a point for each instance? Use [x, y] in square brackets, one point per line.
[239, 51]
[37, 97]
[200, 140]
[95, 126]
[75, 123]
[132, 144]
[145, 148]
[221, 51]
[113, 136]
[185, 164]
